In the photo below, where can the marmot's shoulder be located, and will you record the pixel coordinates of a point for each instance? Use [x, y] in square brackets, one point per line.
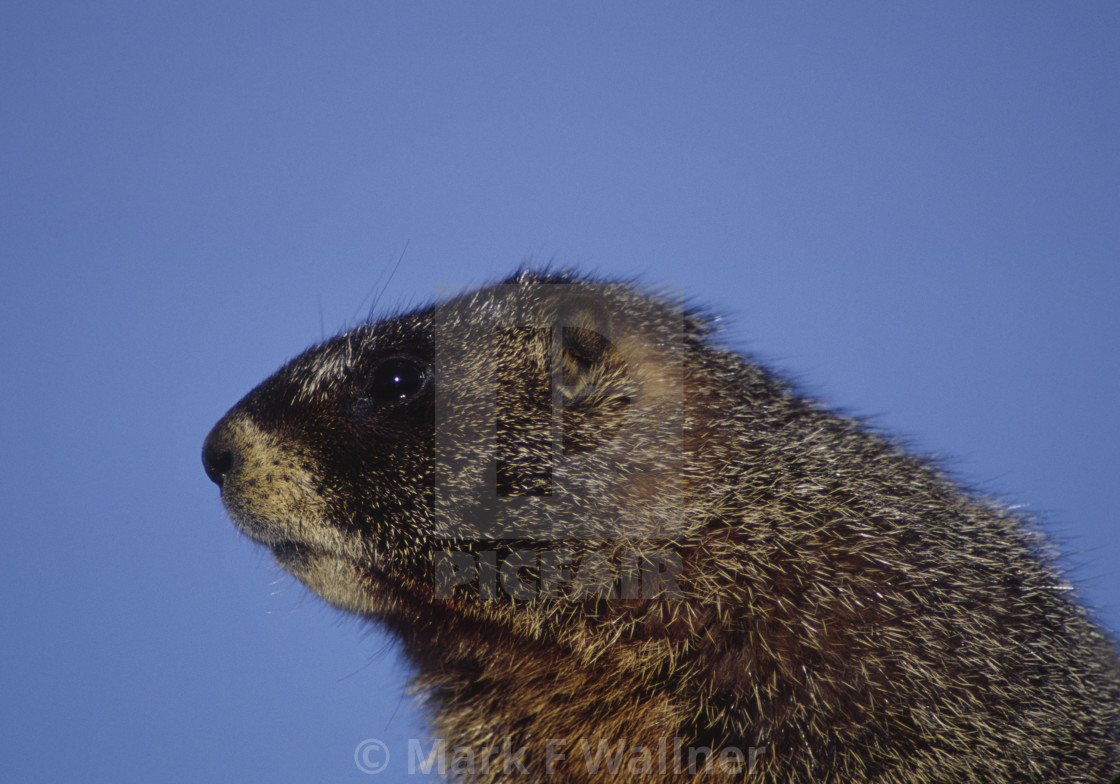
[597, 531]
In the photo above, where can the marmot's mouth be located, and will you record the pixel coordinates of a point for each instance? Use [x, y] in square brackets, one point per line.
[299, 559]
[263, 529]
[291, 555]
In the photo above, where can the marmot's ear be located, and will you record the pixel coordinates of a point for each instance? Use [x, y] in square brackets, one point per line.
[585, 332]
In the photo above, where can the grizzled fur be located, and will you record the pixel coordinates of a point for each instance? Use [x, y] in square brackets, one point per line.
[594, 530]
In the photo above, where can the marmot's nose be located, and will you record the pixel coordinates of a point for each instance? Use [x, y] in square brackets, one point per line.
[218, 453]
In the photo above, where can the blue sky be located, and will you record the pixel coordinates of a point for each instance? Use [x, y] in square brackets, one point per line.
[913, 209]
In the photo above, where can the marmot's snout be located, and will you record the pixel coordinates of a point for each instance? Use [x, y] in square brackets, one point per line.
[218, 453]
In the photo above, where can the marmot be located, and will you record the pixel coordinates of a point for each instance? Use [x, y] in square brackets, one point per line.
[614, 550]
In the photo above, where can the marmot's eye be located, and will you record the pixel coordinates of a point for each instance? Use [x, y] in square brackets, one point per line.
[396, 380]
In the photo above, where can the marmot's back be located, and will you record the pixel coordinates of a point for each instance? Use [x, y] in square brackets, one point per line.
[613, 549]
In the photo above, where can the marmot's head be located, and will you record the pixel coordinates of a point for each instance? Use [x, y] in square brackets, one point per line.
[543, 413]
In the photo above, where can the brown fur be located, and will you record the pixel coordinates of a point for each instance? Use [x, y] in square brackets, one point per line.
[594, 530]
